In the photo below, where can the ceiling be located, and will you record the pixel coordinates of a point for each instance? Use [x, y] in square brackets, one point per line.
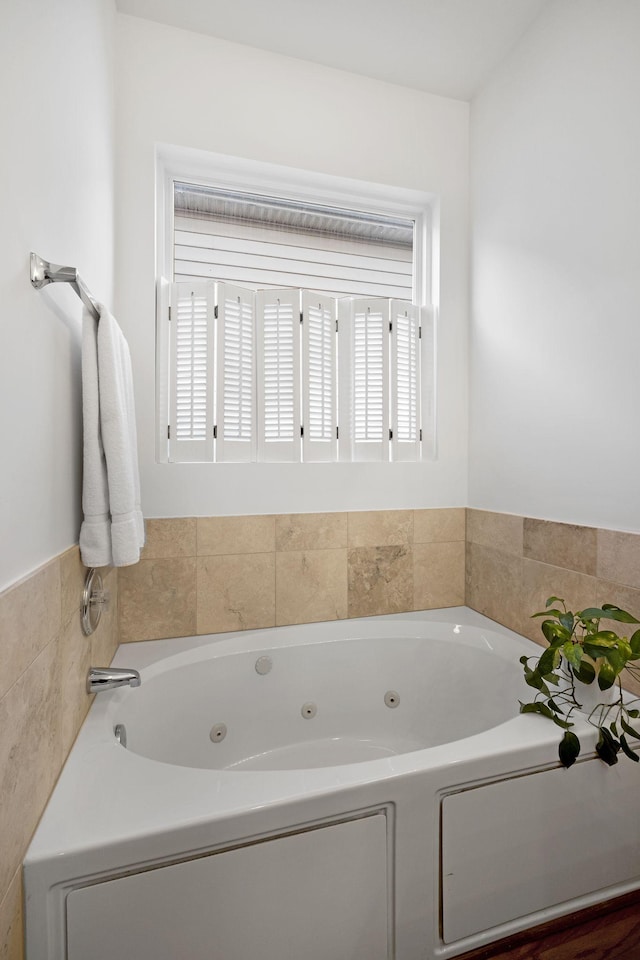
[447, 47]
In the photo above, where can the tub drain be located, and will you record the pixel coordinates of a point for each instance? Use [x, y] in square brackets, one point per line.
[392, 698]
[308, 710]
[218, 732]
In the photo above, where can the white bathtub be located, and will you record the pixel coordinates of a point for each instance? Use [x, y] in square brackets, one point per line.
[357, 790]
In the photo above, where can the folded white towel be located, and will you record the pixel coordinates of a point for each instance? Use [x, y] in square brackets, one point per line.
[112, 531]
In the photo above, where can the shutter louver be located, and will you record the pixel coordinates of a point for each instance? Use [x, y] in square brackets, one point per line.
[191, 372]
[370, 366]
[405, 381]
[278, 374]
[319, 377]
[236, 407]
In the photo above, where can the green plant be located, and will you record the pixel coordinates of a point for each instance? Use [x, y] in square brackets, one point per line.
[580, 651]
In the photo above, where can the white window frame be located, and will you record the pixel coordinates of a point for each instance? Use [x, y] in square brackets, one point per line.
[237, 174]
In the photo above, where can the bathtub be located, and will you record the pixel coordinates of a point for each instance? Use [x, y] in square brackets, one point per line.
[355, 790]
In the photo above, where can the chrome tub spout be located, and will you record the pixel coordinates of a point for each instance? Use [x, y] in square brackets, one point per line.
[108, 678]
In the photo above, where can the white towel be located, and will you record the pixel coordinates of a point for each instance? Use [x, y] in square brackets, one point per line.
[112, 531]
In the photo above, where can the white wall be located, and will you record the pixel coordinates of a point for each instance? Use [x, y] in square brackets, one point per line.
[56, 185]
[555, 340]
[195, 91]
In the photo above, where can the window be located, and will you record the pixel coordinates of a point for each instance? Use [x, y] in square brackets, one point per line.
[292, 329]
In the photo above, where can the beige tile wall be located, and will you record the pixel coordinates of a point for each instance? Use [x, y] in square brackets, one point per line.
[214, 574]
[44, 657]
[514, 563]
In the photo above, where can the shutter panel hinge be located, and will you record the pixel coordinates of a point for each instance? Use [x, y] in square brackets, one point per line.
[390, 326]
[420, 433]
[302, 431]
[169, 314]
[390, 434]
[301, 316]
[336, 326]
[168, 432]
[215, 432]
[337, 433]
[419, 333]
[215, 312]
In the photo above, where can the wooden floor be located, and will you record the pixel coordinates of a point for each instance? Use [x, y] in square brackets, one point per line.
[612, 934]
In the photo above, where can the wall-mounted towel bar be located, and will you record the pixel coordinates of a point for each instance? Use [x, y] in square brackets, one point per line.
[43, 272]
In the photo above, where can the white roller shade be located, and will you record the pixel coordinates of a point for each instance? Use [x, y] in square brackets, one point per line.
[319, 377]
[278, 374]
[236, 393]
[191, 372]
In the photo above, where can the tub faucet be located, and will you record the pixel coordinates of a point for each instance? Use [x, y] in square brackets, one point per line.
[99, 678]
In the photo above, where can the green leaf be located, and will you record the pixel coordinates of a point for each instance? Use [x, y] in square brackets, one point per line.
[551, 600]
[539, 707]
[613, 728]
[633, 713]
[592, 613]
[572, 653]
[554, 633]
[606, 676]
[635, 644]
[629, 729]
[548, 613]
[616, 661]
[597, 650]
[607, 747]
[611, 612]
[549, 660]
[608, 636]
[626, 749]
[568, 749]
[586, 673]
[567, 621]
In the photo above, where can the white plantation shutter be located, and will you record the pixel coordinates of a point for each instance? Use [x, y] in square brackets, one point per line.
[319, 377]
[236, 392]
[370, 374]
[405, 381]
[191, 372]
[285, 378]
[428, 343]
[278, 374]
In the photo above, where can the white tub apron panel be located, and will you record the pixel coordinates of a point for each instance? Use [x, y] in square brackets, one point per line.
[315, 895]
[513, 848]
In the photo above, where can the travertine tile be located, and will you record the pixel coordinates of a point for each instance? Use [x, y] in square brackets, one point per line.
[30, 756]
[72, 576]
[218, 536]
[438, 575]
[73, 659]
[561, 544]
[11, 940]
[104, 641]
[494, 584]
[446, 525]
[541, 581]
[499, 531]
[157, 598]
[169, 537]
[310, 586]
[29, 620]
[236, 592]
[311, 531]
[619, 557]
[380, 580]
[380, 528]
